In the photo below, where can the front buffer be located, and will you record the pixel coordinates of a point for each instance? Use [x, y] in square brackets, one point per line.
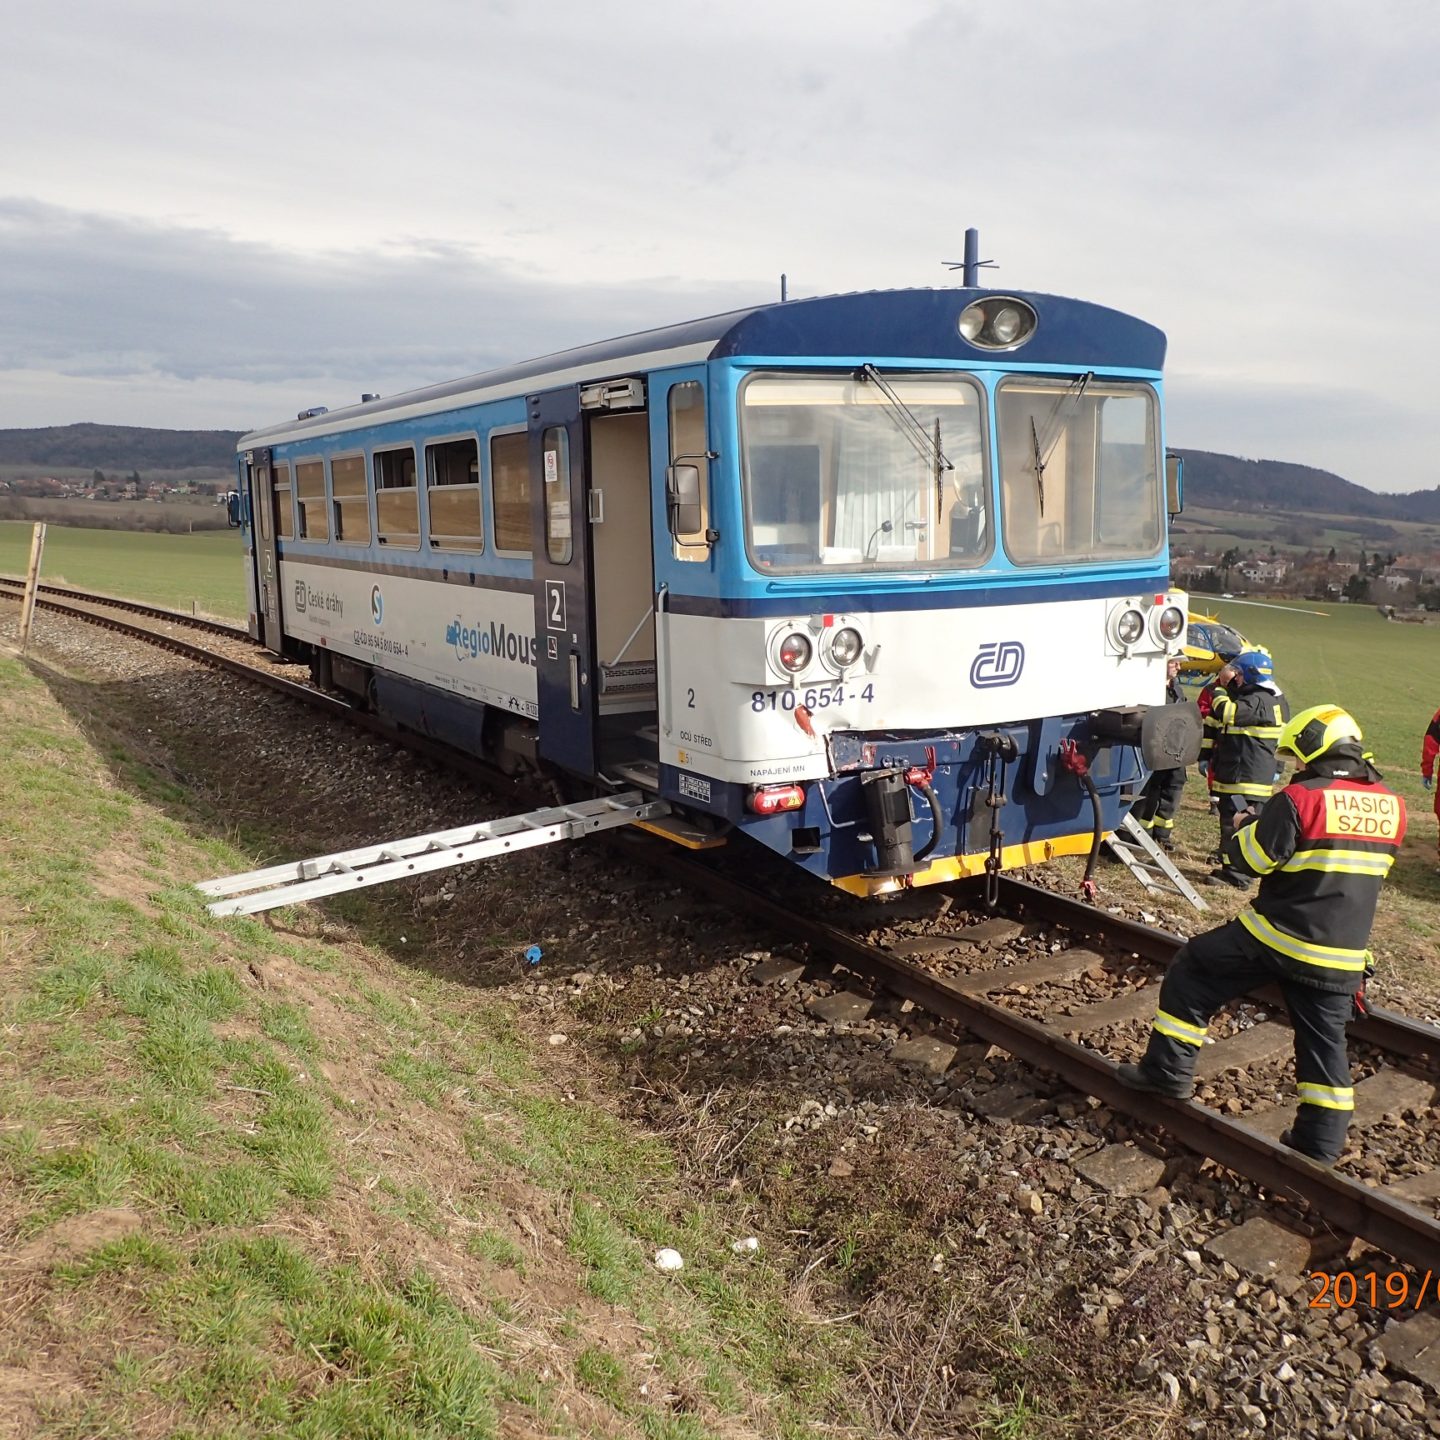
[917, 809]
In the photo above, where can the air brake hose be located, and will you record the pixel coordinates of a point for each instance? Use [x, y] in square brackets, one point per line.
[928, 792]
[1079, 766]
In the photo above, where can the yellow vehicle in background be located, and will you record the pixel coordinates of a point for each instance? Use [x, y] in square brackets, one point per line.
[1210, 645]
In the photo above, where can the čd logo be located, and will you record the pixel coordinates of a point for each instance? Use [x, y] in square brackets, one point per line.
[998, 663]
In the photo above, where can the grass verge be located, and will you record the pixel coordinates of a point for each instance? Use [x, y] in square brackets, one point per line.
[255, 1184]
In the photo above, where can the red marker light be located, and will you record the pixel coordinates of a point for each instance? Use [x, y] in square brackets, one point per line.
[772, 799]
[827, 621]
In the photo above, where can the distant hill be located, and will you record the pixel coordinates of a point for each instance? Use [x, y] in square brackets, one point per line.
[1223, 482]
[118, 448]
[1227, 482]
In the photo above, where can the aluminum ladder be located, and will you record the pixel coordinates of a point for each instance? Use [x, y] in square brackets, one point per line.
[1132, 845]
[374, 864]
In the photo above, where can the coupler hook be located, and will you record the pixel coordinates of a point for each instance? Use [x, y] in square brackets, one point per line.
[1001, 749]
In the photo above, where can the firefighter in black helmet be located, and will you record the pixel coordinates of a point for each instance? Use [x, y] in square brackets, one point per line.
[1322, 848]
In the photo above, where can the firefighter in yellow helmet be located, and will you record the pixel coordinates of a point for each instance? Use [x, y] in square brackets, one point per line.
[1322, 848]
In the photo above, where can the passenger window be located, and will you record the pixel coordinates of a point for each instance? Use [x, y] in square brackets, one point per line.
[310, 487]
[284, 516]
[397, 499]
[688, 445]
[351, 500]
[452, 478]
[559, 539]
[510, 491]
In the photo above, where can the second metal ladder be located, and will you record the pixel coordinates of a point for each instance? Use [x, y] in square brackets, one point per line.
[373, 864]
[1133, 845]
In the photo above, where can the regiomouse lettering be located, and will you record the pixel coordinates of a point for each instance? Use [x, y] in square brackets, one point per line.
[471, 641]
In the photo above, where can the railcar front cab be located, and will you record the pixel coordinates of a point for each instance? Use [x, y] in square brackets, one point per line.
[907, 580]
[948, 621]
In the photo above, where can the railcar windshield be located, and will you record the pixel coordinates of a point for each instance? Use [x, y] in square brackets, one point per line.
[842, 473]
[1079, 470]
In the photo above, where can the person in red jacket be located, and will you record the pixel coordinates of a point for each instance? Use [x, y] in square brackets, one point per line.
[1322, 848]
[1429, 749]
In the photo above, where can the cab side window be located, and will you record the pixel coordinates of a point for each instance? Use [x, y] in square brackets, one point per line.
[689, 446]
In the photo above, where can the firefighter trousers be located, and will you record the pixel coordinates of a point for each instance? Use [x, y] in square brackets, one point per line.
[1158, 802]
[1222, 965]
[1234, 815]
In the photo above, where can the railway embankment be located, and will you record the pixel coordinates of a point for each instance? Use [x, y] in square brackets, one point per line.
[447, 1173]
[264, 1180]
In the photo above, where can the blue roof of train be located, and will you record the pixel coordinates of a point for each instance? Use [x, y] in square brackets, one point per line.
[892, 324]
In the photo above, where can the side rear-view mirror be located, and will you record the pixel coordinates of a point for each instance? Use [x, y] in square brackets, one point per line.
[1174, 482]
[682, 493]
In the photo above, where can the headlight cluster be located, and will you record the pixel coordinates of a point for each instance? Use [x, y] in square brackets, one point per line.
[839, 647]
[1130, 625]
[998, 322]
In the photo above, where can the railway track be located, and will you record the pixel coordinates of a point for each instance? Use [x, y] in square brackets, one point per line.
[13, 587]
[977, 999]
[972, 982]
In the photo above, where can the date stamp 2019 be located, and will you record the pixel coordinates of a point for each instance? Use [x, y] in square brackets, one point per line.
[1387, 1290]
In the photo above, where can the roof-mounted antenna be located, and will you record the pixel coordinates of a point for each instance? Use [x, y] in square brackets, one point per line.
[972, 264]
[784, 289]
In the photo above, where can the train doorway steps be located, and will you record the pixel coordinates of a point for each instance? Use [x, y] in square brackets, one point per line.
[375, 864]
[1148, 863]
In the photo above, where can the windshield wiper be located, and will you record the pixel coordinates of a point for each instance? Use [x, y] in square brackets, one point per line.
[910, 425]
[1043, 449]
[1039, 466]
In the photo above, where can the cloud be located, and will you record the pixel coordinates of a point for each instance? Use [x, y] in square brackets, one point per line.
[368, 197]
[100, 298]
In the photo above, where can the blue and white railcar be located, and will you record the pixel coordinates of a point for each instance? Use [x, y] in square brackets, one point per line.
[879, 580]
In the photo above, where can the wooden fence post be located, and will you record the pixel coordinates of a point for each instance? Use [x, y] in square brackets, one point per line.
[32, 582]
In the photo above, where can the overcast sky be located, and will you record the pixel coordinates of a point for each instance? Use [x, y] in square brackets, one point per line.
[213, 216]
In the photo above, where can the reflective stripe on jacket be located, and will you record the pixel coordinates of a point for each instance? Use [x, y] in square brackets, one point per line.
[1243, 758]
[1322, 848]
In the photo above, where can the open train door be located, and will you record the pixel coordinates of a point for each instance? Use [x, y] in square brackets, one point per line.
[565, 672]
[259, 481]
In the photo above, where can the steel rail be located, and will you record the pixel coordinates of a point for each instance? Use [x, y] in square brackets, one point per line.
[1402, 1230]
[139, 607]
[292, 688]
[1386, 1028]
[332, 705]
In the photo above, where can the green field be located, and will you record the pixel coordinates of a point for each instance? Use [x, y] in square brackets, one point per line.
[180, 571]
[1388, 674]
[1385, 673]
